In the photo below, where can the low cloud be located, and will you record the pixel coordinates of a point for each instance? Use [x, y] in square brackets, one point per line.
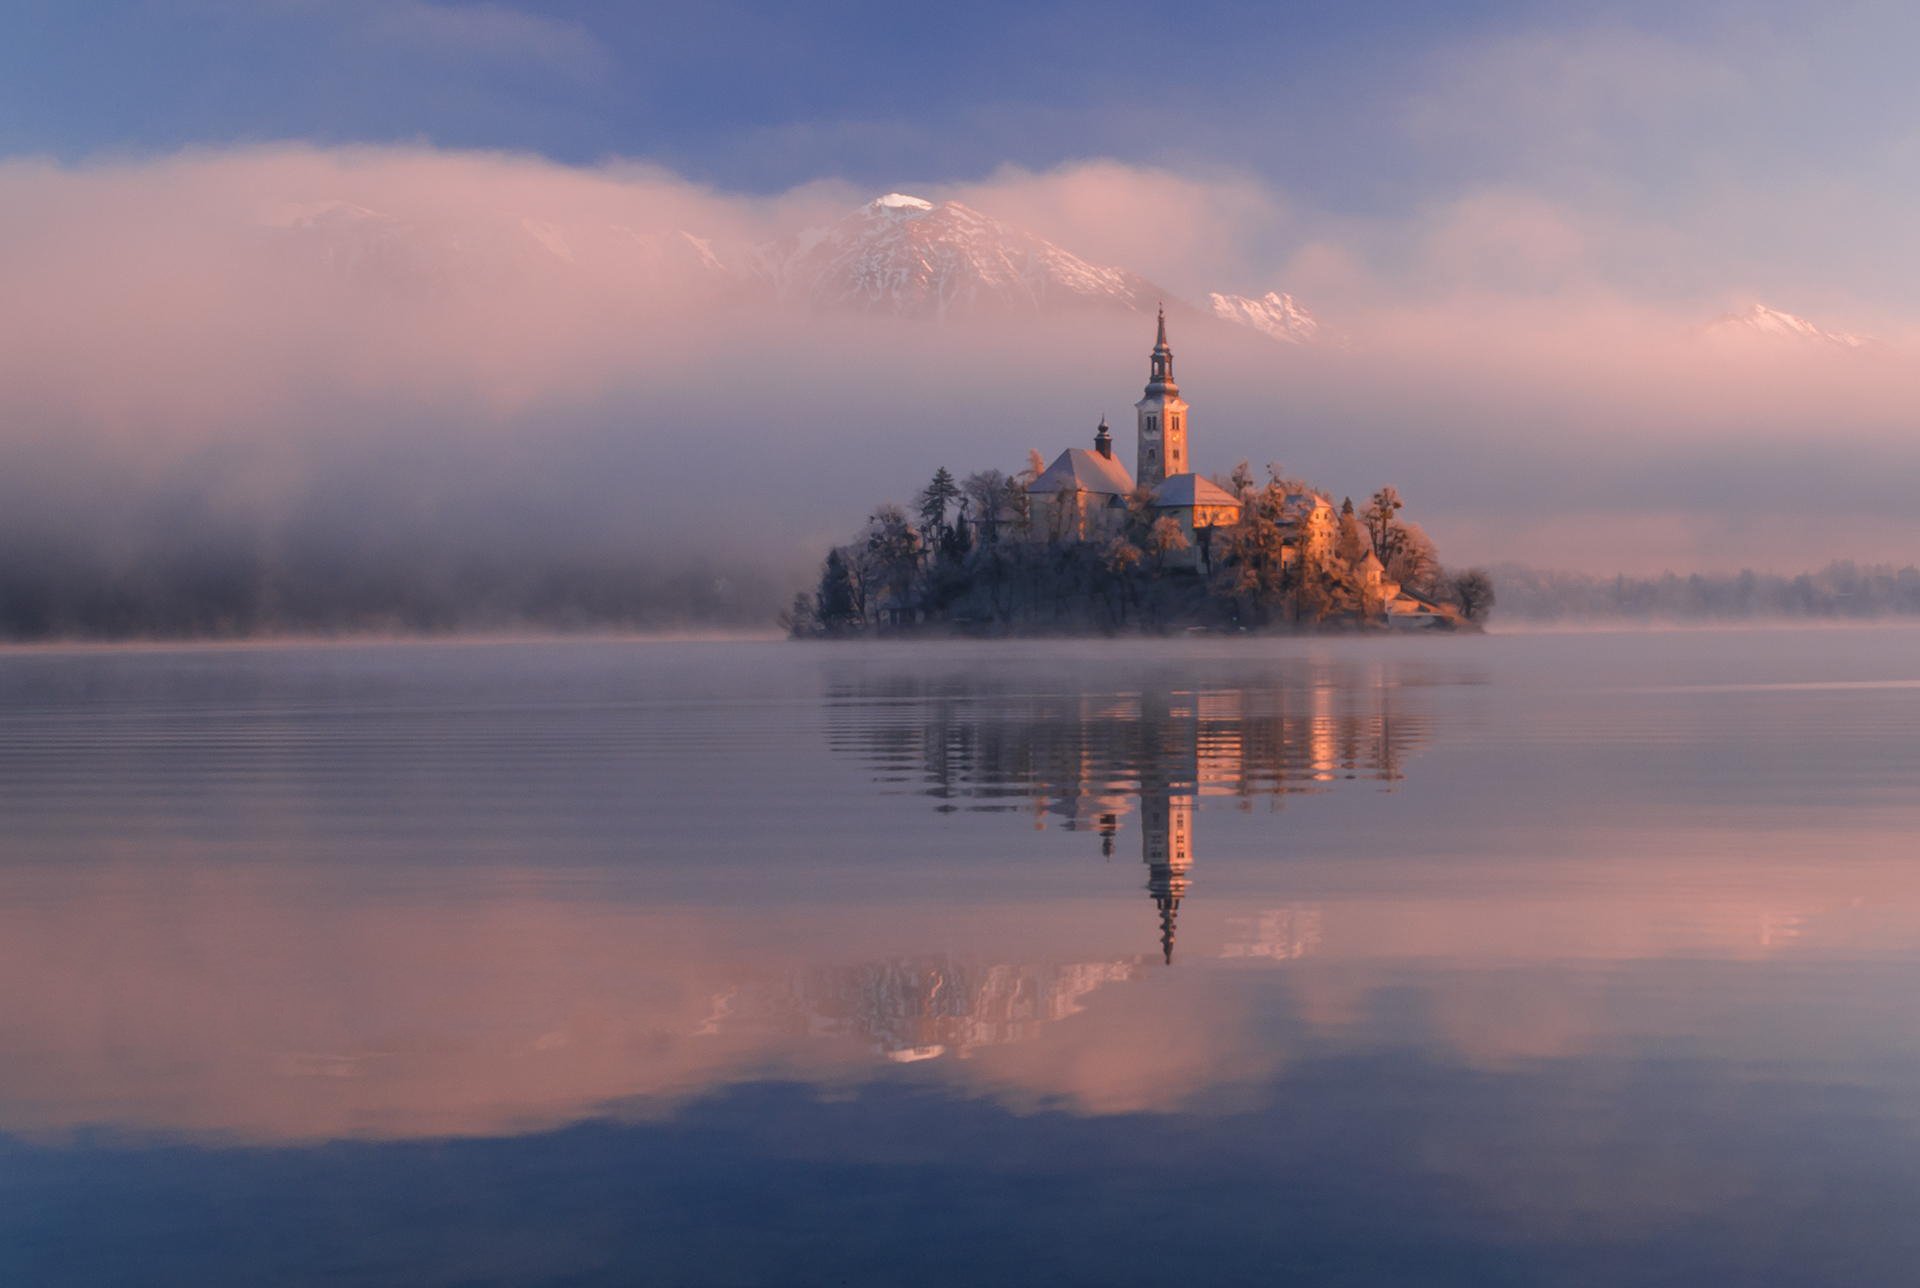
[468, 369]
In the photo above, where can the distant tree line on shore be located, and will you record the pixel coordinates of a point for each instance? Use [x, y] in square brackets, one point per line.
[1841, 590]
[984, 555]
[234, 588]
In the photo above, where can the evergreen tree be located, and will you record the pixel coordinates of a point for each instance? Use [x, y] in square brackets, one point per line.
[1350, 545]
[835, 608]
[940, 493]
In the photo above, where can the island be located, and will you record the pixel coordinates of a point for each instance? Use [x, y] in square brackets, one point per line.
[1083, 546]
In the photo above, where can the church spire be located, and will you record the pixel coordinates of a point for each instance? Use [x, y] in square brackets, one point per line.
[1161, 377]
[1162, 417]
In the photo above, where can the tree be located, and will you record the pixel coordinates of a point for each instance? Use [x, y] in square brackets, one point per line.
[1383, 522]
[1415, 564]
[1066, 515]
[1315, 593]
[799, 618]
[1164, 538]
[1277, 478]
[1241, 480]
[1349, 546]
[1473, 591]
[895, 549]
[939, 493]
[836, 604]
[1141, 513]
[956, 540]
[985, 496]
[1119, 560]
[1252, 570]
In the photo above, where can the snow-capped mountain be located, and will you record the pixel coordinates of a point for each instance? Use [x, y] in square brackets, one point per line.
[1274, 314]
[897, 256]
[909, 257]
[1759, 320]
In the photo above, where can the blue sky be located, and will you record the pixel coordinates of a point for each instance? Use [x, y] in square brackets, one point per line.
[1333, 101]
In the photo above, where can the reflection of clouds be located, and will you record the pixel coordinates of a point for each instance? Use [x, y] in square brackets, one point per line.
[909, 1010]
[274, 1004]
[1280, 934]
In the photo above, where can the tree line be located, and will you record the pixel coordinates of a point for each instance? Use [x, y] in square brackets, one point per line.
[1842, 590]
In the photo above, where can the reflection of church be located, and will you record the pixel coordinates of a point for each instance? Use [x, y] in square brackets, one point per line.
[1169, 776]
[1086, 753]
[1090, 756]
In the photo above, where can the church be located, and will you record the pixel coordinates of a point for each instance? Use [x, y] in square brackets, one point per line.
[1083, 495]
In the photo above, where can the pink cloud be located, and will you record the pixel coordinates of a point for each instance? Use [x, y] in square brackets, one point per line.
[554, 329]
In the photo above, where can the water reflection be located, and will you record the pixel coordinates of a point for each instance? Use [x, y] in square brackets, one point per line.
[696, 897]
[659, 966]
[1092, 759]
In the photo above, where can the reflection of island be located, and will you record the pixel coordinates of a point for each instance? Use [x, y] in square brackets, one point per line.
[1090, 756]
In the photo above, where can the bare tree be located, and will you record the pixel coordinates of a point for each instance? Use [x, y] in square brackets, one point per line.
[895, 549]
[1241, 480]
[1166, 537]
[1382, 519]
[1415, 564]
[986, 501]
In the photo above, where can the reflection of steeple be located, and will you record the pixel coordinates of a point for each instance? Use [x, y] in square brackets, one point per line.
[1169, 765]
[1167, 885]
[1091, 751]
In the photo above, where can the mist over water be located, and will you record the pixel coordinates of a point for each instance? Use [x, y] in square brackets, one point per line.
[1544, 959]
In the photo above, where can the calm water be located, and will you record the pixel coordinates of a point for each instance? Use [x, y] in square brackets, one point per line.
[1515, 960]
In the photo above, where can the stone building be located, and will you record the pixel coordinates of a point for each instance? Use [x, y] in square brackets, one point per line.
[1084, 494]
[1162, 417]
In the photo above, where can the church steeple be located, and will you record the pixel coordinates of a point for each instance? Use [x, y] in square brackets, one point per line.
[1103, 440]
[1162, 416]
[1162, 372]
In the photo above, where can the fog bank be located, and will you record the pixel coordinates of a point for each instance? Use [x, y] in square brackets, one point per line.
[306, 388]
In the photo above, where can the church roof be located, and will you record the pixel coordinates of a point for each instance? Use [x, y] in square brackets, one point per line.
[1088, 471]
[1191, 489]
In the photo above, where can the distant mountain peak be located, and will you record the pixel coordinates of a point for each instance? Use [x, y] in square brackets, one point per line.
[1275, 314]
[901, 202]
[910, 257]
[1762, 320]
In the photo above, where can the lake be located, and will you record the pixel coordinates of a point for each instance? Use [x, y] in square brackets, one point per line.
[1522, 959]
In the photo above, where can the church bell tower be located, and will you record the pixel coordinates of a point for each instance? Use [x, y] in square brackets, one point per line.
[1163, 418]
